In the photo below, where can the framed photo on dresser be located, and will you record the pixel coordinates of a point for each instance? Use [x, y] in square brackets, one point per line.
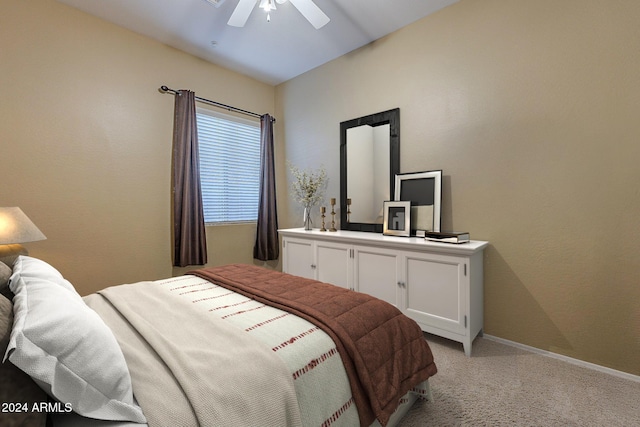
[397, 218]
[424, 191]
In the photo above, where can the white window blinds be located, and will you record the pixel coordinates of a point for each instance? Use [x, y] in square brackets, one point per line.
[229, 167]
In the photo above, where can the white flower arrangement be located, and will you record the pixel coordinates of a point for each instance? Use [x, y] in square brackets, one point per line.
[308, 187]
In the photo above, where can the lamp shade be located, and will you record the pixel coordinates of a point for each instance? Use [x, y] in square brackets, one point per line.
[16, 227]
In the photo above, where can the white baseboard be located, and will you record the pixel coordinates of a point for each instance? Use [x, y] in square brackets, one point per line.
[564, 358]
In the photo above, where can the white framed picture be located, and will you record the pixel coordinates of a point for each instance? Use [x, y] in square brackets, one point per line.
[424, 191]
[397, 218]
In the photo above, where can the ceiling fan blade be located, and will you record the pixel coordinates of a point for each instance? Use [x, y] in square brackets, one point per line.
[241, 13]
[312, 12]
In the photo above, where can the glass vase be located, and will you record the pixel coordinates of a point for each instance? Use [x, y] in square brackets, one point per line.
[307, 218]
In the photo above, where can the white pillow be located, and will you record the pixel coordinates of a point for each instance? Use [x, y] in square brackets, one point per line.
[66, 347]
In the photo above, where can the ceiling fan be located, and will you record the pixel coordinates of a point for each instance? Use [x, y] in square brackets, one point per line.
[307, 8]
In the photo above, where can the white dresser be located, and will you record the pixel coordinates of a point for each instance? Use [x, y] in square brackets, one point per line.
[438, 285]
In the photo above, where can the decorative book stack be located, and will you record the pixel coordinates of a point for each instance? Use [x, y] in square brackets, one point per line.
[455, 237]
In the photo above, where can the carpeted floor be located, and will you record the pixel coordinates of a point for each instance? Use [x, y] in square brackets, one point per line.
[501, 385]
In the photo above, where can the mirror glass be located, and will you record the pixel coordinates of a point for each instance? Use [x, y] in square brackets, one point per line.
[367, 187]
[369, 161]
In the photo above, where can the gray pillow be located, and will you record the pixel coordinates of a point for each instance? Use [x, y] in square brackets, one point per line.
[15, 385]
[5, 273]
[8, 255]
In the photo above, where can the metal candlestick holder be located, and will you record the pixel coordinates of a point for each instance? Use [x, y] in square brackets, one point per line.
[322, 212]
[333, 215]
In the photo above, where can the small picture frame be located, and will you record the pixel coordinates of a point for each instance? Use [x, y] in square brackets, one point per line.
[397, 218]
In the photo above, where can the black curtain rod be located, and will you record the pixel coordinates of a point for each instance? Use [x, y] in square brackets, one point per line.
[216, 104]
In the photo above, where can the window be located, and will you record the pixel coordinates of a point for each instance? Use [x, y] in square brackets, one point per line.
[229, 167]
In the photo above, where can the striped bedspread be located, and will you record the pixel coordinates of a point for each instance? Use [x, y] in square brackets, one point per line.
[320, 381]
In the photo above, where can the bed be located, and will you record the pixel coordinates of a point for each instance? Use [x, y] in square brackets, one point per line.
[224, 346]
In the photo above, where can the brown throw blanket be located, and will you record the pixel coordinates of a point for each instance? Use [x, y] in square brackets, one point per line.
[383, 351]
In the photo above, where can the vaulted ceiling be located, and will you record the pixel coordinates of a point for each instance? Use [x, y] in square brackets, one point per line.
[272, 52]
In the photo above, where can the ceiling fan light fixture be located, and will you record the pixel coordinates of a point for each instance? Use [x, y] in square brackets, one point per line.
[267, 5]
[307, 8]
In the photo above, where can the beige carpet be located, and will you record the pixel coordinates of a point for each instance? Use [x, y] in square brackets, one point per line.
[501, 385]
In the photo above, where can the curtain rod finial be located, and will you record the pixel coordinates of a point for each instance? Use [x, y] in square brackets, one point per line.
[164, 88]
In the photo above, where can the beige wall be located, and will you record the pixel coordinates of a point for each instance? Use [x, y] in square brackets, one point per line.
[85, 141]
[532, 109]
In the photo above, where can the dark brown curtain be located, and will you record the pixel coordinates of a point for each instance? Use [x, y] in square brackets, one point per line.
[190, 243]
[267, 246]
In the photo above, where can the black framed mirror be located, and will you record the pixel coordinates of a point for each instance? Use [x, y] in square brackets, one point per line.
[369, 162]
